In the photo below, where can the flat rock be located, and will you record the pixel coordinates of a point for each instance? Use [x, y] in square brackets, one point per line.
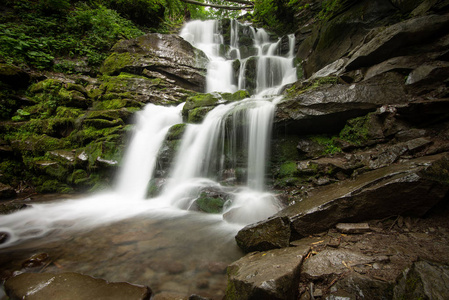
[327, 108]
[71, 286]
[266, 275]
[353, 227]
[408, 188]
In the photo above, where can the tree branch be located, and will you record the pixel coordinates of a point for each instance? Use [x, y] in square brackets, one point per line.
[220, 6]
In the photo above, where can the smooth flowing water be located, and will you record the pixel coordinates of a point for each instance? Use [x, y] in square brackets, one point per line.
[161, 242]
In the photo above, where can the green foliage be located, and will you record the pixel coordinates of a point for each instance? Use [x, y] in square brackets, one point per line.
[37, 32]
[277, 15]
[288, 169]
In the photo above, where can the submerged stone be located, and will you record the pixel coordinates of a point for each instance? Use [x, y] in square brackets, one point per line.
[71, 286]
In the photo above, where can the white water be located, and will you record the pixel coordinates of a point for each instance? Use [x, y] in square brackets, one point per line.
[232, 136]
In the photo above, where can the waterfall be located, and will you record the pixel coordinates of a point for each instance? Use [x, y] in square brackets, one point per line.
[226, 153]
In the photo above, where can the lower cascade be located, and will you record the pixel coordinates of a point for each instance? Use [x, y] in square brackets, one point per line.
[226, 154]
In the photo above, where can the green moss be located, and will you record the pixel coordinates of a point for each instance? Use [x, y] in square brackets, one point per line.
[208, 204]
[46, 86]
[356, 130]
[68, 112]
[288, 169]
[328, 143]
[306, 86]
[199, 100]
[176, 131]
[237, 96]
[197, 115]
[54, 186]
[116, 62]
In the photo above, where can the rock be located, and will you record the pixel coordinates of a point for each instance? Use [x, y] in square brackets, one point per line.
[326, 109]
[266, 275]
[169, 55]
[352, 228]
[356, 285]
[6, 192]
[71, 286]
[429, 73]
[10, 207]
[274, 233]
[424, 280]
[14, 76]
[396, 38]
[331, 262]
[423, 111]
[408, 188]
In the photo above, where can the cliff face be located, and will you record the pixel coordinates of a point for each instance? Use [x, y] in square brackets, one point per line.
[361, 137]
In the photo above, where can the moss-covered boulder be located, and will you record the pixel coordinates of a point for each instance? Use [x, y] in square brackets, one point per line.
[170, 56]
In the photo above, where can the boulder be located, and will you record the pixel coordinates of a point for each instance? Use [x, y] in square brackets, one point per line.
[408, 188]
[168, 55]
[327, 108]
[71, 286]
[423, 280]
[275, 233]
[266, 275]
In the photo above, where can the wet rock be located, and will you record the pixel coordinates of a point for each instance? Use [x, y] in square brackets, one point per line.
[355, 285]
[331, 262]
[394, 39]
[326, 109]
[266, 275]
[36, 260]
[409, 188]
[169, 55]
[423, 111]
[341, 32]
[6, 192]
[429, 73]
[14, 76]
[71, 286]
[423, 280]
[274, 233]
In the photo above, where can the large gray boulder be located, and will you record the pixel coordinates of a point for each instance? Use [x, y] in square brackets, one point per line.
[408, 188]
[162, 56]
[71, 286]
[268, 275]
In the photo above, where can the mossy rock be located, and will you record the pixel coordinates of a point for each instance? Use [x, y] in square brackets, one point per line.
[237, 96]
[86, 135]
[117, 62]
[209, 204]
[54, 186]
[199, 100]
[52, 169]
[197, 115]
[47, 85]
[117, 103]
[176, 132]
[39, 144]
[68, 112]
[288, 169]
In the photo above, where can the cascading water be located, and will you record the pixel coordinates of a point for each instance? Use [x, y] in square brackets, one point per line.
[227, 152]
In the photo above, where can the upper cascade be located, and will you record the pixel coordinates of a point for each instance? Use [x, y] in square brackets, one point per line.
[242, 57]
